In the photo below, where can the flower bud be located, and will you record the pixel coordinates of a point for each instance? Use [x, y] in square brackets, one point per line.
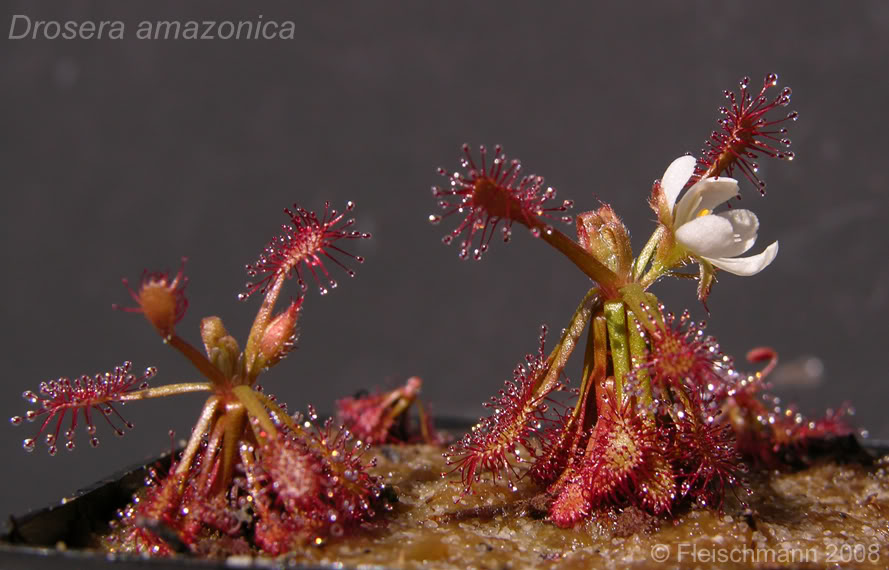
[212, 330]
[222, 348]
[225, 356]
[604, 236]
[279, 336]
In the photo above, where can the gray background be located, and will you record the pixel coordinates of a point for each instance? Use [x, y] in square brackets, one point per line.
[122, 155]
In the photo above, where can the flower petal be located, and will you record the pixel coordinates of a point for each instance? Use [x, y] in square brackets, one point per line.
[707, 236]
[706, 194]
[726, 234]
[746, 266]
[676, 176]
[745, 224]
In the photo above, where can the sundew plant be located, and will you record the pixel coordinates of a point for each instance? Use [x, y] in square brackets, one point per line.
[251, 475]
[661, 414]
[660, 417]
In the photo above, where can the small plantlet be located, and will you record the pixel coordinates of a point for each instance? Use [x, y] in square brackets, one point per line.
[383, 417]
[251, 476]
[661, 414]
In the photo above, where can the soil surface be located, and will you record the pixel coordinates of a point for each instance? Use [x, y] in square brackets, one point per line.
[828, 515]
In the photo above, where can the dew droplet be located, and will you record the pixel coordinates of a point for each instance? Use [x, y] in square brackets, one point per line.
[29, 444]
[16, 420]
[434, 219]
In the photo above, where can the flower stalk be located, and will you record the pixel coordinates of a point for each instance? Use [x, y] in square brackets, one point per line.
[618, 341]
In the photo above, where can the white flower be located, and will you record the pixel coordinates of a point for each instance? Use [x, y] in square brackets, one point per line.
[718, 238]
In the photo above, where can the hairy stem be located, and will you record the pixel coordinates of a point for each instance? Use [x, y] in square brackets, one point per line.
[256, 408]
[638, 351]
[657, 271]
[168, 390]
[260, 323]
[209, 470]
[198, 359]
[600, 354]
[558, 358]
[653, 275]
[595, 364]
[647, 252]
[585, 410]
[616, 320]
[197, 434]
[664, 266]
[236, 417]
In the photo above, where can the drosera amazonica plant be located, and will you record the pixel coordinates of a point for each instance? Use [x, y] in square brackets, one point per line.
[383, 417]
[251, 476]
[661, 414]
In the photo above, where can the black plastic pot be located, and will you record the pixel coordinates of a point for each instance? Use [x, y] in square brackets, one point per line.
[30, 541]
